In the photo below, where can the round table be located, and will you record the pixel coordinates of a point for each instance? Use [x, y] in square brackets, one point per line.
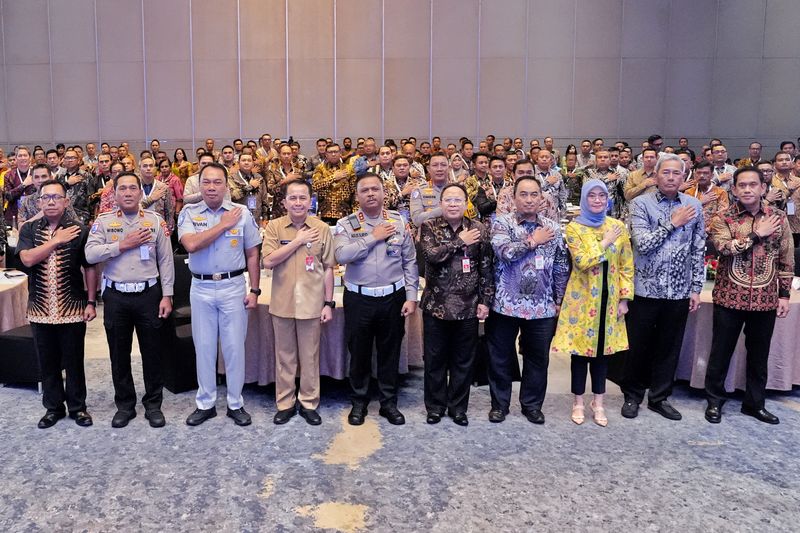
[13, 301]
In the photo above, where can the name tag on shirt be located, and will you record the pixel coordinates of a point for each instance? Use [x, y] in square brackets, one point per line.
[234, 232]
[283, 243]
[790, 207]
[144, 252]
[466, 268]
[251, 201]
[538, 262]
[309, 263]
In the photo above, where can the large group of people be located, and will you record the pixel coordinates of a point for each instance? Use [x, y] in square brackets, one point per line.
[588, 252]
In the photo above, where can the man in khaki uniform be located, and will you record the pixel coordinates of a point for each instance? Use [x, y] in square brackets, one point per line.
[139, 276]
[299, 250]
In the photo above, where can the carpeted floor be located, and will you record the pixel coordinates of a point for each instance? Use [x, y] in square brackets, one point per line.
[648, 474]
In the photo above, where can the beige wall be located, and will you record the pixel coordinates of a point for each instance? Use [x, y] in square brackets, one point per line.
[182, 70]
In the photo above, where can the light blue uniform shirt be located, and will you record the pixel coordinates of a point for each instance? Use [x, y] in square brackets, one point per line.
[226, 254]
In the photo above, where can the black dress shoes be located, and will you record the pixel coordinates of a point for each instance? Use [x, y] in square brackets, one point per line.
[199, 416]
[534, 416]
[664, 409]
[393, 415]
[311, 416]
[630, 409]
[240, 416]
[156, 418]
[122, 418]
[460, 419]
[714, 414]
[434, 417]
[357, 415]
[49, 419]
[496, 416]
[761, 414]
[82, 418]
[283, 416]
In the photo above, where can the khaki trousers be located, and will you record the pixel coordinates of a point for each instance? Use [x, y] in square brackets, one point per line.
[296, 344]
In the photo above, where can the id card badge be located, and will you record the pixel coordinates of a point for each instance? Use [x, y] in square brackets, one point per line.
[144, 252]
[251, 201]
[538, 261]
[465, 265]
[309, 263]
[790, 207]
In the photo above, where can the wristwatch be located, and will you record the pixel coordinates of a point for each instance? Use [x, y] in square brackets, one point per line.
[92, 303]
[257, 292]
[331, 304]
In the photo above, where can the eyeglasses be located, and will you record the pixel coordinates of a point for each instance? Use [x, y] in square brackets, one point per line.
[47, 198]
[453, 201]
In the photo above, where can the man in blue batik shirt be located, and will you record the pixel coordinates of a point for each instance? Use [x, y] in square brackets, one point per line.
[531, 272]
[668, 237]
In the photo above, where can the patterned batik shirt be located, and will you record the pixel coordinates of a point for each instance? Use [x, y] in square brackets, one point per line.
[55, 289]
[454, 289]
[615, 189]
[334, 197]
[79, 193]
[529, 282]
[668, 261]
[753, 272]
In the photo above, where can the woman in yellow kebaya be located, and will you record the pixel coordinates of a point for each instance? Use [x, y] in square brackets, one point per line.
[591, 325]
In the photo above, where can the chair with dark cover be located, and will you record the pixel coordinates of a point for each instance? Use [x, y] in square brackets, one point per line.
[181, 308]
[178, 363]
[18, 360]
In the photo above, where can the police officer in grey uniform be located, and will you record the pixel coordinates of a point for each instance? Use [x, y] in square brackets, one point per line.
[223, 242]
[138, 277]
[425, 203]
[381, 284]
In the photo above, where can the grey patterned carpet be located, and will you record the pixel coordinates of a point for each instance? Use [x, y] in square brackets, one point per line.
[647, 474]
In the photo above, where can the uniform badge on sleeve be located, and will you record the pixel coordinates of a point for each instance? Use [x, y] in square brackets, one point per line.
[415, 194]
[164, 228]
[95, 227]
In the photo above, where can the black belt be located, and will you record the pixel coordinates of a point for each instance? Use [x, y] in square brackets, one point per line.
[220, 275]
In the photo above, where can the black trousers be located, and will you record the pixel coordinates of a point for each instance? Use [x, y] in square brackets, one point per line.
[61, 346]
[449, 350]
[598, 368]
[369, 320]
[655, 333]
[758, 327]
[124, 313]
[535, 337]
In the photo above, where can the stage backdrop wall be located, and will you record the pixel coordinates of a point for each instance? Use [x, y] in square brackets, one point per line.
[181, 70]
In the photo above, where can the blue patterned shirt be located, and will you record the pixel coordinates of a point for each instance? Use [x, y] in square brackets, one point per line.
[668, 261]
[522, 290]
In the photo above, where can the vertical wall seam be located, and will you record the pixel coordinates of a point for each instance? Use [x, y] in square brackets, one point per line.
[97, 70]
[335, 81]
[430, 72]
[383, 70]
[574, 62]
[478, 80]
[144, 78]
[286, 52]
[5, 72]
[524, 133]
[191, 75]
[50, 67]
[239, 60]
[620, 103]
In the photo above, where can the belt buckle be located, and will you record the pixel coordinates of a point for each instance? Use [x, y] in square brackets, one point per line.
[380, 291]
[216, 277]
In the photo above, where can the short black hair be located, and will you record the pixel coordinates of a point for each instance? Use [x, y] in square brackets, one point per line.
[285, 187]
[526, 178]
[521, 162]
[784, 143]
[367, 175]
[205, 154]
[213, 165]
[496, 158]
[42, 166]
[748, 168]
[127, 175]
[704, 164]
[454, 186]
[476, 155]
[53, 182]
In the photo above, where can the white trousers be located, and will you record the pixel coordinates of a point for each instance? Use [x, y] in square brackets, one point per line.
[218, 314]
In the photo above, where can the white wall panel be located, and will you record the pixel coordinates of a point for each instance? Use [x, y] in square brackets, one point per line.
[740, 28]
[780, 105]
[75, 102]
[551, 29]
[596, 97]
[687, 112]
[699, 68]
[25, 32]
[72, 39]
[549, 97]
[644, 32]
[29, 115]
[598, 28]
